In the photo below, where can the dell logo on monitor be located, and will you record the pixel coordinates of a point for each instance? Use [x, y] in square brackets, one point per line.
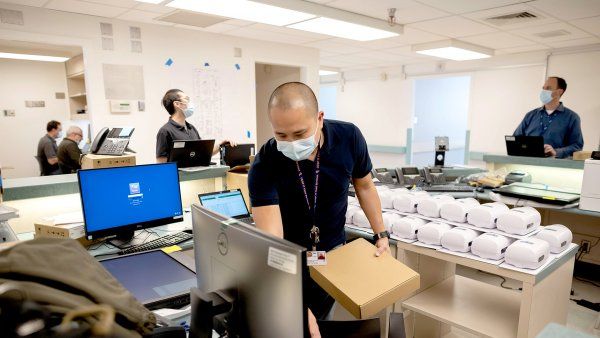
[192, 154]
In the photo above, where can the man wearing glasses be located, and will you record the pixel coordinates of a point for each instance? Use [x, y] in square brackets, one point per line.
[68, 153]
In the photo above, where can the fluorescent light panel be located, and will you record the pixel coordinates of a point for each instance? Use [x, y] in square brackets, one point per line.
[323, 72]
[342, 29]
[453, 50]
[32, 57]
[243, 10]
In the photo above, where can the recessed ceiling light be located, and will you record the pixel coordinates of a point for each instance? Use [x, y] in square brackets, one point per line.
[244, 10]
[326, 72]
[453, 50]
[342, 29]
[33, 57]
[156, 2]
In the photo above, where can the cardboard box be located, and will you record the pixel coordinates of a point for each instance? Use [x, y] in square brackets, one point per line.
[47, 228]
[582, 155]
[362, 283]
[93, 161]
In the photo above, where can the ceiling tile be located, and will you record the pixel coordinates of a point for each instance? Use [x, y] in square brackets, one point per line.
[154, 8]
[85, 8]
[379, 56]
[574, 42]
[590, 25]
[115, 3]
[530, 32]
[542, 17]
[498, 40]
[465, 6]
[353, 58]
[142, 16]
[333, 62]
[568, 10]
[32, 3]
[524, 49]
[454, 26]
[407, 11]
[239, 23]
[333, 47]
[325, 54]
[221, 27]
[251, 33]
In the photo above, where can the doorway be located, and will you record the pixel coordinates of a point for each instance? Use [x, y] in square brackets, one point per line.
[268, 77]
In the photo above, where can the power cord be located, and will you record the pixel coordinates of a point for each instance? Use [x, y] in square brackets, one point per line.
[503, 281]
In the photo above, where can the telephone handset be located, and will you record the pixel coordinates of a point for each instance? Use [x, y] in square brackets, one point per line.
[434, 176]
[111, 141]
[383, 175]
[410, 175]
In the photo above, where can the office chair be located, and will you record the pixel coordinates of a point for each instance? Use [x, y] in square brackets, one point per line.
[365, 328]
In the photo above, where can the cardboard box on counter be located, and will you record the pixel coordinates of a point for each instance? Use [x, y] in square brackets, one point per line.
[362, 283]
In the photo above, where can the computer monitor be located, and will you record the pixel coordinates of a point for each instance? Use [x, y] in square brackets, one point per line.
[118, 201]
[229, 203]
[238, 155]
[191, 153]
[261, 274]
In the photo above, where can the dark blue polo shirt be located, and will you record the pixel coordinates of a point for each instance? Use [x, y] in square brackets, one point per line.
[273, 180]
[561, 129]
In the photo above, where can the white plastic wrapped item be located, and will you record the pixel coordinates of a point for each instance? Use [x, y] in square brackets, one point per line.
[457, 210]
[431, 206]
[408, 202]
[382, 188]
[386, 197]
[352, 200]
[352, 209]
[389, 219]
[400, 190]
[407, 227]
[485, 215]
[530, 253]
[558, 237]
[519, 221]
[459, 239]
[432, 232]
[360, 220]
[490, 246]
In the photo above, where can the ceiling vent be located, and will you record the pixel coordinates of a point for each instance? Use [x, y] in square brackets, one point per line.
[11, 17]
[191, 19]
[512, 18]
[553, 34]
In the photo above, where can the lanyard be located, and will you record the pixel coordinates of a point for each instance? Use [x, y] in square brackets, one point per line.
[314, 231]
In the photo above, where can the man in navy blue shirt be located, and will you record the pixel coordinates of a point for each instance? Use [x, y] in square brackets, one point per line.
[310, 159]
[559, 125]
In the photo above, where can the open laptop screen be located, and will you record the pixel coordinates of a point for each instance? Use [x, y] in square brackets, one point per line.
[229, 203]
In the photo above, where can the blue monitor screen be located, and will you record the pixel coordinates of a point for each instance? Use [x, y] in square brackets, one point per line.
[230, 204]
[138, 196]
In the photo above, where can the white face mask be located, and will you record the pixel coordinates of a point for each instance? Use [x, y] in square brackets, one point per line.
[59, 135]
[189, 111]
[300, 149]
[546, 96]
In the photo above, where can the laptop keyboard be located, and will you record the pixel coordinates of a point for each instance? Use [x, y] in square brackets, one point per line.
[247, 220]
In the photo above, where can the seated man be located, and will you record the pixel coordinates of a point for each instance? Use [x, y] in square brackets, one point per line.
[46, 150]
[69, 153]
[559, 125]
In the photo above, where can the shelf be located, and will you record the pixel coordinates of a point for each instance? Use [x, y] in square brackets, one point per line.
[534, 161]
[78, 95]
[470, 305]
[76, 76]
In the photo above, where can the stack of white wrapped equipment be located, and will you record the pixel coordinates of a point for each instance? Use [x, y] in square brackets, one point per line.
[408, 202]
[457, 210]
[558, 237]
[407, 227]
[519, 221]
[459, 239]
[485, 215]
[352, 209]
[432, 232]
[490, 246]
[530, 253]
[431, 206]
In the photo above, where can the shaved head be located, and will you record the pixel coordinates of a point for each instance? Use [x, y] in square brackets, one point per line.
[293, 96]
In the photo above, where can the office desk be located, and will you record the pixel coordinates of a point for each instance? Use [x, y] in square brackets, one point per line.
[446, 299]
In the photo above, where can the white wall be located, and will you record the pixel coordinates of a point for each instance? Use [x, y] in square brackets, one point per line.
[269, 77]
[19, 135]
[186, 47]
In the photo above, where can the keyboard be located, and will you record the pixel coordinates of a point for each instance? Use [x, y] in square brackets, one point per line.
[449, 188]
[158, 243]
[247, 220]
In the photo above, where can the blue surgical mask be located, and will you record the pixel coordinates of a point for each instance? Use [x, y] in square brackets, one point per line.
[545, 96]
[300, 149]
[59, 135]
[189, 111]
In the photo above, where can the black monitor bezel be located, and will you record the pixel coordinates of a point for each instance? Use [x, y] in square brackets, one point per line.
[128, 228]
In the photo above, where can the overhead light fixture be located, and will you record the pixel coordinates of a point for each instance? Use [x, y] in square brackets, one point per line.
[156, 2]
[32, 57]
[342, 29]
[453, 50]
[323, 72]
[243, 10]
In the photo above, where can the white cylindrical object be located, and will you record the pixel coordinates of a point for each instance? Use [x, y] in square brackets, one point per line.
[457, 210]
[558, 237]
[530, 253]
[360, 219]
[519, 221]
[485, 215]
[386, 197]
[389, 219]
[407, 227]
[352, 209]
[490, 246]
[408, 202]
[459, 239]
[432, 232]
[431, 206]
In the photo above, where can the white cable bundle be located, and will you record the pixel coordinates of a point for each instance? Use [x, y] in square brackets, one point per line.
[457, 210]
[432, 232]
[360, 219]
[485, 215]
[408, 202]
[519, 221]
[407, 227]
[352, 209]
[389, 219]
[431, 206]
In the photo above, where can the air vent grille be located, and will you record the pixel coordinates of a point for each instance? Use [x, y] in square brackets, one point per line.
[512, 18]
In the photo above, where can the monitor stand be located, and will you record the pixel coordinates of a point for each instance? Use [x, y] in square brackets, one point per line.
[210, 311]
[122, 240]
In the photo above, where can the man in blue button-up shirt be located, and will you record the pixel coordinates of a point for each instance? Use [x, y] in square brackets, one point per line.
[559, 125]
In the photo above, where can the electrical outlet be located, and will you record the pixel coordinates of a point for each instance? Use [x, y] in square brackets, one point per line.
[585, 246]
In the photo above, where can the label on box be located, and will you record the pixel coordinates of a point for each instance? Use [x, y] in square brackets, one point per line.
[316, 258]
[282, 260]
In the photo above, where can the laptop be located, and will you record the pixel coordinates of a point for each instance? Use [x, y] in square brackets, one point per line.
[530, 146]
[238, 155]
[229, 203]
[539, 193]
[194, 153]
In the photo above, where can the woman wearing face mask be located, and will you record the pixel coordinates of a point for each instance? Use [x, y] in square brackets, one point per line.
[179, 107]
